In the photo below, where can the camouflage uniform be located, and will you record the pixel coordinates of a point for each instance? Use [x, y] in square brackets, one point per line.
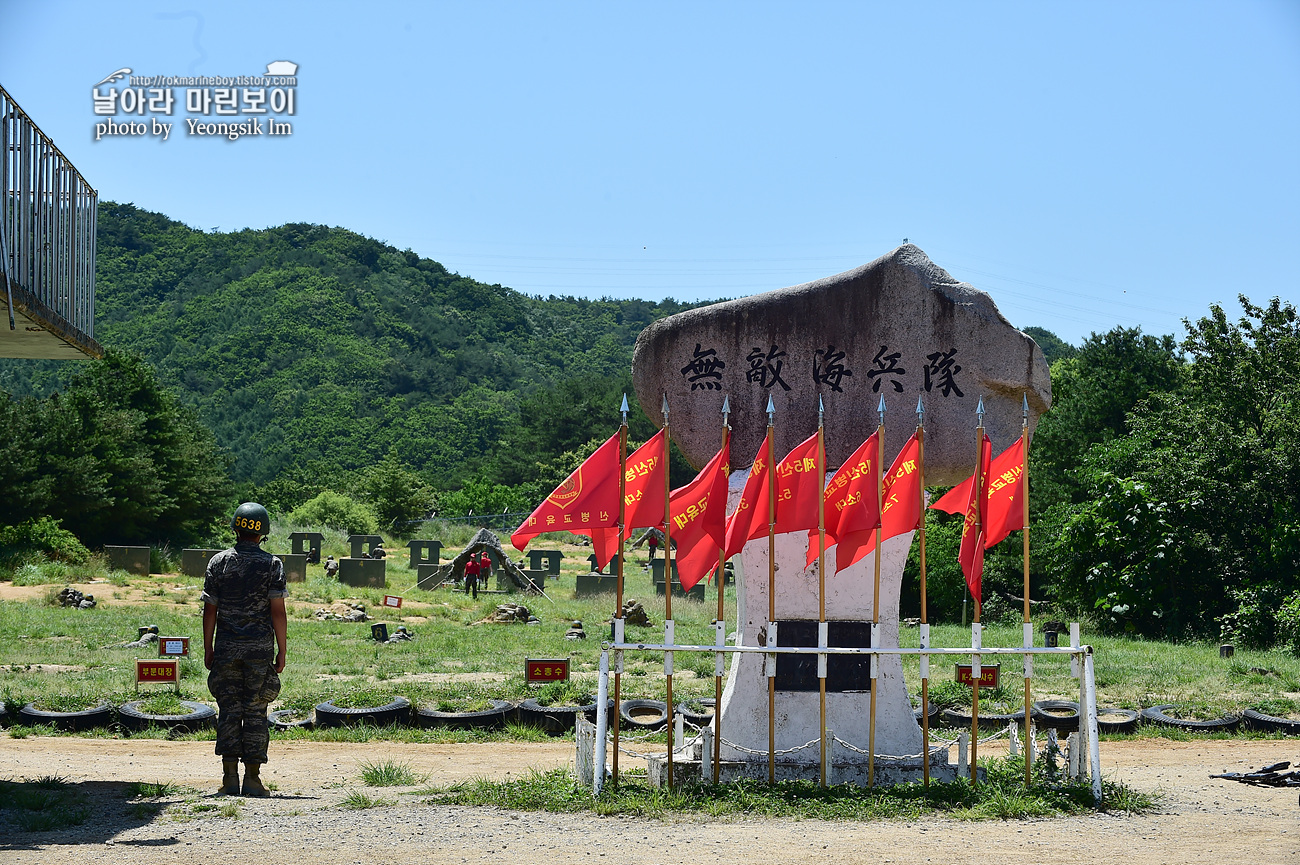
[240, 583]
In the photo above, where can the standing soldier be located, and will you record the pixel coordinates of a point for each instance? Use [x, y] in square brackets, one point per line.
[484, 569]
[243, 623]
[471, 576]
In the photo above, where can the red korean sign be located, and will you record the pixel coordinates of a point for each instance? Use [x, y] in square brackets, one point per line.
[546, 670]
[173, 647]
[157, 671]
[988, 675]
[392, 601]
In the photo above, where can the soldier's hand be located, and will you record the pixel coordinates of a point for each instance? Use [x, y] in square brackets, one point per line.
[279, 662]
[207, 658]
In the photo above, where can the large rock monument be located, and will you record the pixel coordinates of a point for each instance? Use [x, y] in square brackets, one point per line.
[900, 326]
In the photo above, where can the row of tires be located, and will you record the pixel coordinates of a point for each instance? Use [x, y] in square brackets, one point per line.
[130, 718]
[1061, 715]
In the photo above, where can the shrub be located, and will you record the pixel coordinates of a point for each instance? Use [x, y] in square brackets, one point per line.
[1288, 623]
[40, 535]
[336, 511]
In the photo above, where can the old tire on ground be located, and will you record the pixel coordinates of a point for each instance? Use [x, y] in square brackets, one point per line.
[1056, 715]
[1257, 720]
[934, 713]
[283, 719]
[643, 714]
[396, 712]
[1127, 721]
[199, 717]
[485, 719]
[698, 711]
[556, 719]
[1157, 715]
[960, 717]
[67, 722]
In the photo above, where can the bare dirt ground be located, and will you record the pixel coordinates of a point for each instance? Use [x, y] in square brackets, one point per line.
[1200, 820]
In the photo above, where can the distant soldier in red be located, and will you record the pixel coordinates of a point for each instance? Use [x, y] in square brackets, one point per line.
[471, 576]
[484, 569]
[653, 544]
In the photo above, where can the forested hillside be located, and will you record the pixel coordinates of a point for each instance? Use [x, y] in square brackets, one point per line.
[343, 382]
[312, 352]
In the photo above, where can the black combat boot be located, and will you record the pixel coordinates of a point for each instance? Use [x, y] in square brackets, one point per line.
[229, 777]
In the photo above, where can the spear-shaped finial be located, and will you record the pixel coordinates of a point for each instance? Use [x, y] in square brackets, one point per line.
[665, 409]
[880, 409]
[771, 411]
[920, 411]
[623, 409]
[821, 411]
[979, 411]
[1024, 411]
[726, 411]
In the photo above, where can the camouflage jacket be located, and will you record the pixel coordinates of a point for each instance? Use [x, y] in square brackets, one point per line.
[240, 583]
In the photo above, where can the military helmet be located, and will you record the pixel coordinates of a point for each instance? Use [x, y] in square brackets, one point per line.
[251, 517]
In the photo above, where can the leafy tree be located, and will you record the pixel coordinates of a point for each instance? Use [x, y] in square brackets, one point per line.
[1053, 347]
[1191, 515]
[395, 492]
[116, 459]
[336, 511]
[1092, 394]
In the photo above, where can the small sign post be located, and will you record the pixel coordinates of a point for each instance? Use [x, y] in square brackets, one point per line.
[173, 647]
[158, 671]
[988, 675]
[392, 601]
[546, 670]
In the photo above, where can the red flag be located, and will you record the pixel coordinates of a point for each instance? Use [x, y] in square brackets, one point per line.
[1004, 512]
[749, 519]
[798, 488]
[643, 497]
[901, 512]
[586, 501]
[1006, 505]
[699, 516]
[971, 554]
[850, 497]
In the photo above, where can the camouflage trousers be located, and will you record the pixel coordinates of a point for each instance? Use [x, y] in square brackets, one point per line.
[243, 688]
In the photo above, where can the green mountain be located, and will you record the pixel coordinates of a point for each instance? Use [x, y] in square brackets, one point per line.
[312, 352]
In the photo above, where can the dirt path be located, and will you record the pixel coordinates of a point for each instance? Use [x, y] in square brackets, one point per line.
[1201, 820]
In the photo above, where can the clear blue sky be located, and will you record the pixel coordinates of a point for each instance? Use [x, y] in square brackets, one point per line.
[1088, 164]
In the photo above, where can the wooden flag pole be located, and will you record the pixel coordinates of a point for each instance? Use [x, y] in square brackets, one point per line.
[979, 510]
[875, 596]
[925, 621]
[722, 613]
[668, 593]
[1029, 633]
[771, 584]
[618, 592]
[821, 573]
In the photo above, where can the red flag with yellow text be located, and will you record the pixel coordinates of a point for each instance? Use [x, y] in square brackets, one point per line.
[971, 554]
[901, 512]
[643, 496]
[749, 519]
[1004, 511]
[586, 501]
[699, 521]
[850, 497]
[798, 488]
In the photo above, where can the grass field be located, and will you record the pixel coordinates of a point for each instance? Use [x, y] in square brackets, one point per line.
[67, 656]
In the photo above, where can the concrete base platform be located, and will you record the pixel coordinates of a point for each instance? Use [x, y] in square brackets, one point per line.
[426, 576]
[363, 572]
[595, 584]
[133, 560]
[194, 562]
[888, 771]
[295, 567]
